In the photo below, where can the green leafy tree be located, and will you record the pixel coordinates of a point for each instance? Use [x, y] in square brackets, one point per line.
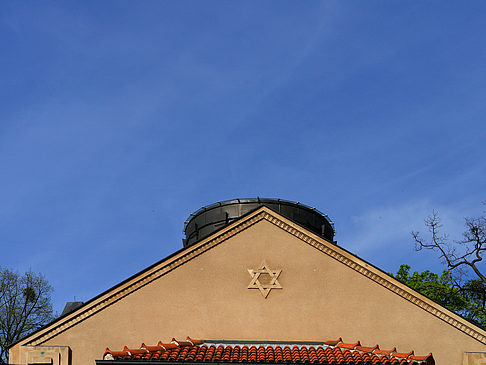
[438, 288]
[475, 292]
[25, 305]
[469, 301]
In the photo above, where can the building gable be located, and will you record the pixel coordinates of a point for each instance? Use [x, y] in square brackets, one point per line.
[206, 291]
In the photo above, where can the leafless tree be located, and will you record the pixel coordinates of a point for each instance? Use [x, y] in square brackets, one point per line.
[25, 305]
[459, 256]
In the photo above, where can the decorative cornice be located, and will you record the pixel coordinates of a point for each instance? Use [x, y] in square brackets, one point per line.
[379, 277]
[197, 249]
[138, 282]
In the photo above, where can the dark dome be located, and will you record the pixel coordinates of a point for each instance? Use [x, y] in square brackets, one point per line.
[211, 218]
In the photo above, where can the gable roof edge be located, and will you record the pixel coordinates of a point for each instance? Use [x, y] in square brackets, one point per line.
[184, 255]
[139, 280]
[380, 277]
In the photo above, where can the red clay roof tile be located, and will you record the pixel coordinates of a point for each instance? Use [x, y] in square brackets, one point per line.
[367, 349]
[402, 355]
[330, 352]
[349, 345]
[333, 342]
[385, 352]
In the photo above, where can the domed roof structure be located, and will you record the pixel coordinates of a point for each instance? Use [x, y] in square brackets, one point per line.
[211, 218]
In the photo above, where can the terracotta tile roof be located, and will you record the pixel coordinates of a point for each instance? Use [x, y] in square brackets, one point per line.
[328, 352]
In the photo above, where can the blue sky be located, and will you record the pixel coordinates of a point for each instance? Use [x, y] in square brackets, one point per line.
[119, 119]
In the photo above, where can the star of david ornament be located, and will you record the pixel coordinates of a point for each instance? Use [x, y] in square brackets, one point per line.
[257, 281]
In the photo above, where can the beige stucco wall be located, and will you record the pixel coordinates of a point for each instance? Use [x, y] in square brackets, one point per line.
[321, 299]
[474, 358]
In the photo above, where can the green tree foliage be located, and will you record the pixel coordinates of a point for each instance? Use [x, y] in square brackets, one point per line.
[469, 301]
[475, 293]
[25, 305]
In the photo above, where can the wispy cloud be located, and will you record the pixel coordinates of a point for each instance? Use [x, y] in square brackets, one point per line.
[382, 234]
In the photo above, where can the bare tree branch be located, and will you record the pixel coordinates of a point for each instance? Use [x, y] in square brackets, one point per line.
[25, 305]
[472, 247]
